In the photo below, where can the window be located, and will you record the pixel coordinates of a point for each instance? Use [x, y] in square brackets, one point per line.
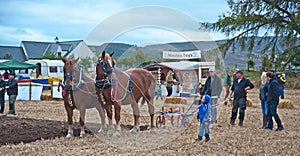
[53, 69]
[23, 71]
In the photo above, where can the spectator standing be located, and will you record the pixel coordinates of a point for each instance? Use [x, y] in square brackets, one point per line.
[12, 92]
[273, 101]
[158, 92]
[263, 91]
[240, 87]
[281, 82]
[227, 83]
[169, 80]
[204, 117]
[213, 88]
[5, 75]
[2, 93]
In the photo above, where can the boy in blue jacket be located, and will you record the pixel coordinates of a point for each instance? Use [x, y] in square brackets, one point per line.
[204, 117]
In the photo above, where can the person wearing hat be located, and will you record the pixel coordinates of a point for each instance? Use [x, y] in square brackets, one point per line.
[12, 92]
[213, 87]
[2, 93]
[240, 87]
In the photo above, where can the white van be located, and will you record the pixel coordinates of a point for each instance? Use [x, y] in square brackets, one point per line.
[51, 68]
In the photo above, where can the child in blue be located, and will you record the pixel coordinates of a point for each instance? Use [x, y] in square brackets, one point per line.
[204, 117]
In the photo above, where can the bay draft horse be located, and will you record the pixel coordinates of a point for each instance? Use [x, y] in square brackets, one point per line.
[115, 87]
[78, 92]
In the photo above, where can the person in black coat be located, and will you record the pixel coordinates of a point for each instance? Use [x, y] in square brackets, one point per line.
[273, 101]
[240, 87]
[12, 92]
[2, 93]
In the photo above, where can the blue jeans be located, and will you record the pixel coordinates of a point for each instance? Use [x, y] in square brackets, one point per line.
[169, 89]
[281, 92]
[203, 129]
[264, 108]
[272, 112]
[159, 95]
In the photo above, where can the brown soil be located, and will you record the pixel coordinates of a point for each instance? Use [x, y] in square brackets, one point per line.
[39, 129]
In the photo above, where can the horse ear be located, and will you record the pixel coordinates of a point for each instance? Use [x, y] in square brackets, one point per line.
[60, 57]
[111, 54]
[103, 55]
[77, 60]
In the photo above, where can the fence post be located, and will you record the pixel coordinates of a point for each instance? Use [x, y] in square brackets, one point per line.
[30, 91]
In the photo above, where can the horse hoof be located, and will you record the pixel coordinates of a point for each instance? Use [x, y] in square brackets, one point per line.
[101, 131]
[81, 134]
[135, 130]
[110, 132]
[153, 131]
[69, 136]
[116, 134]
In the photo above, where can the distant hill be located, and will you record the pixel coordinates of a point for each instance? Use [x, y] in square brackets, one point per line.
[233, 59]
[118, 48]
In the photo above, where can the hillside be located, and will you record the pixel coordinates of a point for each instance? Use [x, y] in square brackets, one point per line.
[236, 57]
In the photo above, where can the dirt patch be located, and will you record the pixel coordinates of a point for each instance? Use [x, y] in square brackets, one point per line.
[24, 130]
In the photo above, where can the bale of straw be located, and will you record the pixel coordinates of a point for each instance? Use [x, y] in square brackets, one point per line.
[229, 102]
[286, 104]
[175, 100]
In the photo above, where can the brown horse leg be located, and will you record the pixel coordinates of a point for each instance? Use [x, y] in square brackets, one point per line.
[70, 120]
[108, 108]
[150, 108]
[136, 115]
[117, 107]
[101, 112]
[81, 121]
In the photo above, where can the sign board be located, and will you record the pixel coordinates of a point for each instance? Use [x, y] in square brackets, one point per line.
[182, 55]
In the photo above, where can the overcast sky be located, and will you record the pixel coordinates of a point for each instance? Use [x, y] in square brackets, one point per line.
[97, 21]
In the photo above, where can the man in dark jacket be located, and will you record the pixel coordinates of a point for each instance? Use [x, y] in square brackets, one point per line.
[273, 101]
[240, 87]
[2, 92]
[213, 88]
[12, 92]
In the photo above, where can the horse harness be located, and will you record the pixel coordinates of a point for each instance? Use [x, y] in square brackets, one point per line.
[106, 82]
[68, 89]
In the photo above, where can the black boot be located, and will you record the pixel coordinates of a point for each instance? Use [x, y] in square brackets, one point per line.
[265, 122]
[207, 138]
[241, 123]
[232, 122]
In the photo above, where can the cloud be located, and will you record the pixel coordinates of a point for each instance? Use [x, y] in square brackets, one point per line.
[45, 20]
[9, 34]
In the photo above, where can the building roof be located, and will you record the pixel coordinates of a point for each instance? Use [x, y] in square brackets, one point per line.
[15, 52]
[36, 50]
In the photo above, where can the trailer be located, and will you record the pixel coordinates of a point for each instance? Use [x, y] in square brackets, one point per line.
[46, 68]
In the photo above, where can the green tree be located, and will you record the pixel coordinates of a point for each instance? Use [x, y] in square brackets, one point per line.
[86, 62]
[247, 19]
[250, 64]
[266, 64]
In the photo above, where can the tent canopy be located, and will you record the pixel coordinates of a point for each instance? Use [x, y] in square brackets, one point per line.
[16, 65]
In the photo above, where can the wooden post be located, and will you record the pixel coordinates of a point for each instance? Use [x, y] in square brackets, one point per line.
[30, 91]
[51, 90]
